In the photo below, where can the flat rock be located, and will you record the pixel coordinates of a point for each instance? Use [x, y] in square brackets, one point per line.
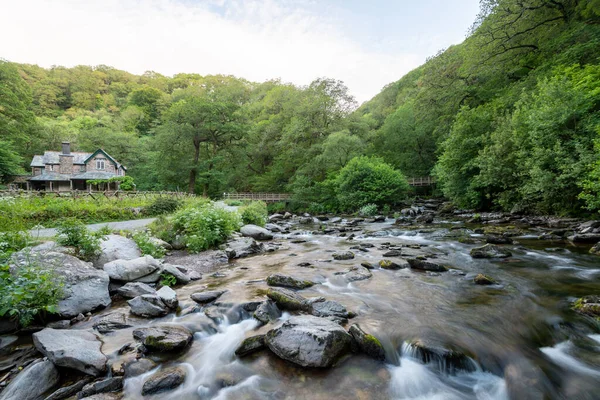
[114, 384]
[135, 289]
[85, 288]
[112, 322]
[131, 270]
[164, 380]
[288, 281]
[423, 265]
[76, 349]
[490, 251]
[309, 341]
[256, 232]
[164, 337]
[287, 299]
[329, 309]
[138, 367]
[353, 274]
[148, 305]
[367, 343]
[116, 247]
[207, 296]
[32, 382]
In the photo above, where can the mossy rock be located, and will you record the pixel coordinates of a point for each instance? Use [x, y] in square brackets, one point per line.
[367, 343]
[588, 305]
[288, 281]
[482, 279]
[250, 345]
[287, 299]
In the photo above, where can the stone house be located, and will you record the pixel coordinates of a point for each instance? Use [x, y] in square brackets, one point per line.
[66, 170]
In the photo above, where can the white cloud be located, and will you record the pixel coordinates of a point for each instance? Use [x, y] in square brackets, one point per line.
[256, 39]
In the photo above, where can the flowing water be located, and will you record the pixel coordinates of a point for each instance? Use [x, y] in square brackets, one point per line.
[520, 337]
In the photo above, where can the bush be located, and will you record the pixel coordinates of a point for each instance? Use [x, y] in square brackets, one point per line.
[368, 211]
[369, 180]
[206, 226]
[233, 203]
[278, 207]
[29, 292]
[74, 233]
[12, 241]
[255, 213]
[163, 229]
[147, 247]
[163, 205]
[168, 279]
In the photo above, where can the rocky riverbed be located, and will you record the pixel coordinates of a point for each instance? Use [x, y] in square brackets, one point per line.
[433, 304]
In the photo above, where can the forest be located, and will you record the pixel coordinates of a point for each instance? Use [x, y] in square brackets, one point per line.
[507, 120]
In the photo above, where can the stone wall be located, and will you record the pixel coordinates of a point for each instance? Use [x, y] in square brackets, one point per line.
[66, 164]
[108, 164]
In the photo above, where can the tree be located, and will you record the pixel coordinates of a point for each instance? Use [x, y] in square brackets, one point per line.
[10, 161]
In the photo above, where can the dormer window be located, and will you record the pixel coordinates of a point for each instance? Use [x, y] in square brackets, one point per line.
[100, 162]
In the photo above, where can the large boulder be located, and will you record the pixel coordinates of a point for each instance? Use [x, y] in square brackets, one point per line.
[423, 265]
[32, 382]
[116, 247]
[131, 270]
[164, 380]
[288, 281]
[148, 305]
[490, 251]
[76, 349]
[256, 232]
[85, 288]
[309, 341]
[244, 247]
[135, 289]
[329, 309]
[287, 299]
[164, 337]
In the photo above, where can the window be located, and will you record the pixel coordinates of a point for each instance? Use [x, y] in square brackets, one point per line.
[100, 163]
[82, 168]
[51, 167]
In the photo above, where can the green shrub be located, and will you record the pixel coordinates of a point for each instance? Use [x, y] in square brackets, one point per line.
[368, 210]
[255, 213]
[278, 207]
[233, 203]
[147, 247]
[369, 180]
[163, 205]
[12, 241]
[206, 226]
[163, 229]
[74, 233]
[29, 292]
[167, 279]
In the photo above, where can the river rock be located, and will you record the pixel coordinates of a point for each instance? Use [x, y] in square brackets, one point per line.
[138, 367]
[497, 239]
[267, 311]
[585, 238]
[288, 281]
[32, 382]
[287, 299]
[353, 274]
[447, 360]
[85, 288]
[77, 349]
[588, 305]
[392, 253]
[343, 255]
[275, 217]
[244, 247]
[250, 345]
[104, 396]
[207, 296]
[135, 289]
[367, 343]
[131, 270]
[164, 380]
[423, 265]
[482, 279]
[164, 337]
[368, 265]
[168, 296]
[116, 247]
[161, 243]
[112, 322]
[274, 228]
[66, 392]
[388, 264]
[595, 249]
[114, 384]
[256, 232]
[182, 278]
[490, 251]
[329, 309]
[309, 341]
[148, 305]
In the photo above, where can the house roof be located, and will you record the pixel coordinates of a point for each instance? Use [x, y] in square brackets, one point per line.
[93, 175]
[79, 158]
[51, 176]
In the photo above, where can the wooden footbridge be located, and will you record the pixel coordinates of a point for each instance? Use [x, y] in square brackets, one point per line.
[277, 197]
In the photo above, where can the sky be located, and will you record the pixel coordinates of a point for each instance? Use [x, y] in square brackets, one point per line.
[365, 43]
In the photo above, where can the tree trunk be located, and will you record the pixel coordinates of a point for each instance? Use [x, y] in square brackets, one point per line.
[194, 170]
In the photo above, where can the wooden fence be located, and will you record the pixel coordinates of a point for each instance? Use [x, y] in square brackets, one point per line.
[266, 197]
[76, 194]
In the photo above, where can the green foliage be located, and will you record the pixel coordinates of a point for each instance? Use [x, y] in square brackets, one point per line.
[368, 210]
[254, 213]
[163, 205]
[147, 246]
[11, 241]
[233, 203]
[72, 232]
[163, 229]
[206, 226]
[369, 180]
[278, 207]
[167, 279]
[29, 292]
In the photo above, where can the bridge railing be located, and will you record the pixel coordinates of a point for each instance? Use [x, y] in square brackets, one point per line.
[258, 196]
[422, 181]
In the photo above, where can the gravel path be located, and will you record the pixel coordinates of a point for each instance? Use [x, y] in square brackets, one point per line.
[115, 226]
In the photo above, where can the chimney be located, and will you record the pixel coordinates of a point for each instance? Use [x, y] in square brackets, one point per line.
[66, 159]
[66, 148]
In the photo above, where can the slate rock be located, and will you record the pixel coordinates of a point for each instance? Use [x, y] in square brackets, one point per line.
[164, 337]
[112, 322]
[168, 296]
[250, 345]
[135, 289]
[343, 255]
[131, 270]
[256, 232]
[207, 296]
[32, 382]
[164, 380]
[116, 247]
[288, 281]
[490, 251]
[423, 265]
[287, 299]
[367, 343]
[148, 306]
